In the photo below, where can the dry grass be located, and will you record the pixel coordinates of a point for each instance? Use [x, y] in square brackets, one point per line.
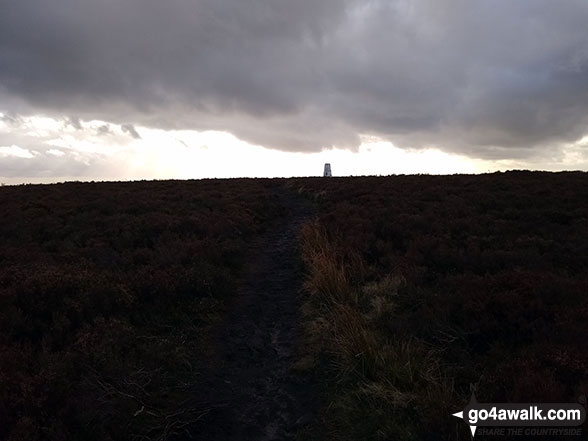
[328, 282]
[381, 384]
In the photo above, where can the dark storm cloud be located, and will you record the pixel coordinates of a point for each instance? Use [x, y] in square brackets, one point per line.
[501, 78]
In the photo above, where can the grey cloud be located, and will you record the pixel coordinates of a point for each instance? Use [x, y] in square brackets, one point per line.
[493, 79]
[130, 129]
[74, 122]
[43, 166]
[103, 130]
[12, 119]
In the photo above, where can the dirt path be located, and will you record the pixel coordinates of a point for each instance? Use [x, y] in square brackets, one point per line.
[258, 396]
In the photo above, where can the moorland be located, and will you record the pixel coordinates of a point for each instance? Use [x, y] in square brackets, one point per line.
[321, 308]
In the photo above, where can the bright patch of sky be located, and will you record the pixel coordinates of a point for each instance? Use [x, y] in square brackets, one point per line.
[15, 151]
[98, 150]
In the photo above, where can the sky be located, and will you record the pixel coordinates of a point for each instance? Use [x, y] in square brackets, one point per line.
[145, 89]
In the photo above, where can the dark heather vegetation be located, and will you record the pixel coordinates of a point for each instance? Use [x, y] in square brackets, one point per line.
[108, 296]
[421, 289]
[417, 290]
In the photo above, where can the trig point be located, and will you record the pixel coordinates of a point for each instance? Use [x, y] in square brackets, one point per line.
[327, 172]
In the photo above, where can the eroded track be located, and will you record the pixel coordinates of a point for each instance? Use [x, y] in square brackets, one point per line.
[257, 395]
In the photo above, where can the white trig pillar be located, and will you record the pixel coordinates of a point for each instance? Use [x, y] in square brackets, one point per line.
[327, 172]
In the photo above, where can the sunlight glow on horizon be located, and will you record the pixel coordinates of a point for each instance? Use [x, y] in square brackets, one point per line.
[105, 151]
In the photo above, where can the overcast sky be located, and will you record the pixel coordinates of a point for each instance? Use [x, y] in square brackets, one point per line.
[107, 89]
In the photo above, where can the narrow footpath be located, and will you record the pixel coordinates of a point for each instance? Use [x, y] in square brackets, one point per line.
[259, 396]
